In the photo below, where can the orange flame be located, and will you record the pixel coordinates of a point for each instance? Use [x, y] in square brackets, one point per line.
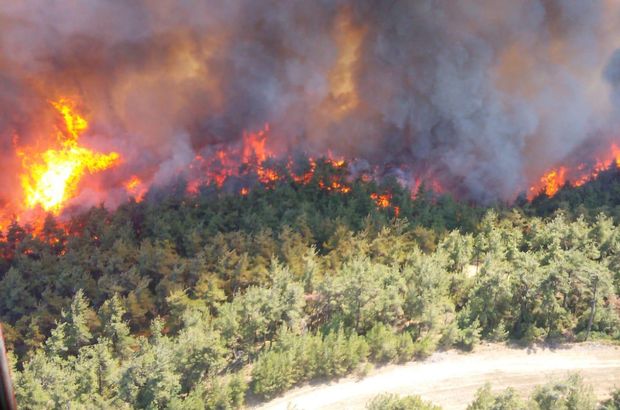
[135, 187]
[554, 180]
[52, 177]
[252, 157]
[382, 201]
[336, 162]
[551, 182]
[304, 178]
[385, 201]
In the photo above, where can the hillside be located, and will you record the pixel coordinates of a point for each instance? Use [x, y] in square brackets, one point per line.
[208, 204]
[601, 194]
[187, 301]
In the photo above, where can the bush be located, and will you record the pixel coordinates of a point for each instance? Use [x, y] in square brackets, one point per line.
[386, 346]
[222, 393]
[613, 403]
[294, 359]
[394, 402]
[228, 394]
[533, 334]
[449, 336]
[406, 347]
[506, 400]
[273, 373]
[425, 347]
[341, 353]
[470, 336]
[569, 394]
[195, 400]
[382, 344]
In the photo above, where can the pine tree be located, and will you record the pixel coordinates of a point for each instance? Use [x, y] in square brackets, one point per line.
[115, 328]
[77, 318]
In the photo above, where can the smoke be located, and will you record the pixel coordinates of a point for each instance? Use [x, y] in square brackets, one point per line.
[482, 95]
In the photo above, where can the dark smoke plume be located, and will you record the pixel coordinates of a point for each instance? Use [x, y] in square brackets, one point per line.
[483, 95]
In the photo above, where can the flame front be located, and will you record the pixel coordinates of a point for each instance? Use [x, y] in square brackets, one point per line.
[51, 177]
[552, 181]
[255, 156]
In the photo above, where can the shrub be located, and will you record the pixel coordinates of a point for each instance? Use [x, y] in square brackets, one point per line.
[394, 402]
[612, 403]
[569, 394]
[506, 400]
[294, 359]
[382, 344]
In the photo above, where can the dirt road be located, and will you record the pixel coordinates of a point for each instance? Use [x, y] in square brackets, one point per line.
[450, 379]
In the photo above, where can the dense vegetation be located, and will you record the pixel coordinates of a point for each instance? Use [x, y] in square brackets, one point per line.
[199, 301]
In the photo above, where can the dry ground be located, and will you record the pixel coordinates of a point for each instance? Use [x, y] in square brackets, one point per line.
[450, 379]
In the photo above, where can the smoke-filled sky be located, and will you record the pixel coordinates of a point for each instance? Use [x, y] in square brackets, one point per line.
[484, 95]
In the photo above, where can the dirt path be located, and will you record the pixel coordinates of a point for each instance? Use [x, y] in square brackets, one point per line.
[450, 379]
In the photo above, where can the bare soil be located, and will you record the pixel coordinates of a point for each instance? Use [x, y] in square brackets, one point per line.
[450, 379]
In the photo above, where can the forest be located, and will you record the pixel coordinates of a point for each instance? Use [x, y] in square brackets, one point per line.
[213, 299]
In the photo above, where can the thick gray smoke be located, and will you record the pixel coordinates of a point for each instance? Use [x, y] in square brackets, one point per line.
[484, 95]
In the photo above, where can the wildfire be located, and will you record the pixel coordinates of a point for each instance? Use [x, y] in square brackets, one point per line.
[74, 123]
[50, 178]
[554, 180]
[336, 162]
[551, 182]
[384, 201]
[254, 146]
[226, 162]
[304, 178]
[135, 187]
[335, 186]
[254, 160]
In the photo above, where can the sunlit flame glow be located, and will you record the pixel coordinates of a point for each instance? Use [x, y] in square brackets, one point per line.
[385, 201]
[382, 200]
[335, 186]
[255, 160]
[349, 37]
[135, 187]
[307, 176]
[552, 181]
[51, 177]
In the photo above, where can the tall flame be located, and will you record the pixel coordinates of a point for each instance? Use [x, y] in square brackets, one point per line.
[51, 177]
[554, 180]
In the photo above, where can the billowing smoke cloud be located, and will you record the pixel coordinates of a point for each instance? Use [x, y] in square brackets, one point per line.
[483, 95]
